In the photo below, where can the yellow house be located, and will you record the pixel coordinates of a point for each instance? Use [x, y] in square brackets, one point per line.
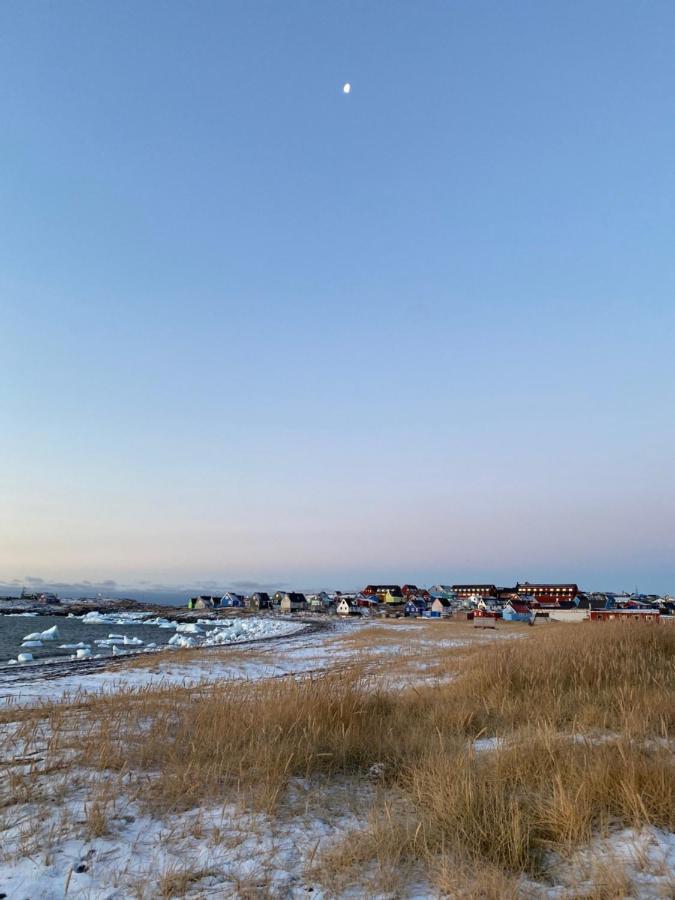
[393, 598]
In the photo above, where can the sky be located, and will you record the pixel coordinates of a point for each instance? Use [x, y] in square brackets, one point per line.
[256, 330]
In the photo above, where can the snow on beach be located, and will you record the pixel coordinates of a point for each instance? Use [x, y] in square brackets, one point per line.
[294, 652]
[228, 851]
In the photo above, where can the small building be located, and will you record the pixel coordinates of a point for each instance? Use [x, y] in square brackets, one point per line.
[259, 600]
[625, 615]
[344, 607]
[440, 607]
[516, 611]
[572, 614]
[319, 601]
[364, 602]
[203, 601]
[293, 602]
[411, 608]
[484, 618]
[394, 597]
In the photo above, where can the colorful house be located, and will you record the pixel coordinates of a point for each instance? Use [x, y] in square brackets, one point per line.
[203, 601]
[259, 600]
[518, 612]
[440, 607]
[293, 602]
[625, 615]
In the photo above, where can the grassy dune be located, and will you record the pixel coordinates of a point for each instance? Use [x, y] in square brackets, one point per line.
[581, 715]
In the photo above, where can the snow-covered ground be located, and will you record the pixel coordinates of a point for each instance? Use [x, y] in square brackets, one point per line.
[224, 851]
[293, 652]
[51, 846]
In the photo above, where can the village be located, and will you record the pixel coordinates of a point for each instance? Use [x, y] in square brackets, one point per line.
[484, 604]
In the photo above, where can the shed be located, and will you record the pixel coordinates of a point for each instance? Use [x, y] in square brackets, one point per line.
[483, 618]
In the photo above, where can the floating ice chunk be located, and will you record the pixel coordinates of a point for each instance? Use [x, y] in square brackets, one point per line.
[181, 640]
[24, 657]
[51, 633]
[189, 628]
[83, 653]
[79, 646]
[120, 637]
[134, 641]
[121, 618]
[31, 643]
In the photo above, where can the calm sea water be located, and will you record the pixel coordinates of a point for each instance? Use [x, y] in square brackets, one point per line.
[71, 631]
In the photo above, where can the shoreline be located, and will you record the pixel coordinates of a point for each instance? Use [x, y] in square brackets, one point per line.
[12, 606]
[59, 667]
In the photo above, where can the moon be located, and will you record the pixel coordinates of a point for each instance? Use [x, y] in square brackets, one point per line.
[346, 88]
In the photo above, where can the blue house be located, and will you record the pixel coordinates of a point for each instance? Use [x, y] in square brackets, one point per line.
[517, 612]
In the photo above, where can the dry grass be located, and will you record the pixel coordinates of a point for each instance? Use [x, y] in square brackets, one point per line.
[471, 821]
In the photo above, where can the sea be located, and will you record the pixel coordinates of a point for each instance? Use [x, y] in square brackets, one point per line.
[72, 630]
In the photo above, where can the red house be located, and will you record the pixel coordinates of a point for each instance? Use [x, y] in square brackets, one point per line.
[625, 615]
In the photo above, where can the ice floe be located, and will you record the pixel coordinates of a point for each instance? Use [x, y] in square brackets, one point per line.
[49, 635]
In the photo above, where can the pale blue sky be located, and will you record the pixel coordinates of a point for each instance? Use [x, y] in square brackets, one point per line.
[253, 328]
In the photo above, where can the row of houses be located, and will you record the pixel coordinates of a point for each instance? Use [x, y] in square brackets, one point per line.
[517, 603]
[286, 601]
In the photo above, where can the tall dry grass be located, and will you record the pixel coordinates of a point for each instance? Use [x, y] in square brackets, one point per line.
[545, 788]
